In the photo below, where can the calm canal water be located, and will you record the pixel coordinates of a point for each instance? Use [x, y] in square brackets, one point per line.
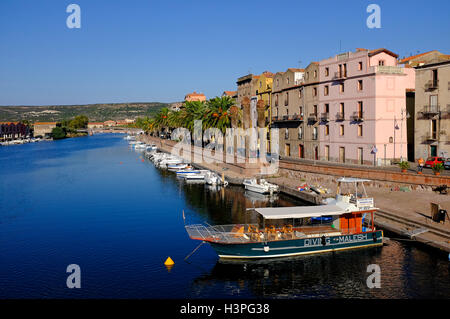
[94, 202]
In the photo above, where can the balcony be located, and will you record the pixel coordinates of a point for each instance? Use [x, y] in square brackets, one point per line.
[325, 117]
[429, 111]
[431, 137]
[296, 117]
[385, 69]
[340, 116]
[431, 85]
[342, 75]
[312, 117]
[357, 117]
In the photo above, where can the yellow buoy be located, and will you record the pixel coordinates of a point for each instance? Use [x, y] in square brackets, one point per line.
[169, 262]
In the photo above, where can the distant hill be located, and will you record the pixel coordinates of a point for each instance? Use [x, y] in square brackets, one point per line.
[95, 112]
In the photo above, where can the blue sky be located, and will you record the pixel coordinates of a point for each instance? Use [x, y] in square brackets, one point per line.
[146, 51]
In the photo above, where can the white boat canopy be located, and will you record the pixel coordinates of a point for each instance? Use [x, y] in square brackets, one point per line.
[352, 180]
[299, 211]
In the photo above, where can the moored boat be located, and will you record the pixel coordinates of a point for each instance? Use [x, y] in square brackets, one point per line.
[346, 222]
[261, 186]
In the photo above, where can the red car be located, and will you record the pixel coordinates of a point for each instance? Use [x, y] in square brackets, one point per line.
[434, 160]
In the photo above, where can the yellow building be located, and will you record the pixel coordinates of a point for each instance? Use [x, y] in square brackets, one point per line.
[264, 92]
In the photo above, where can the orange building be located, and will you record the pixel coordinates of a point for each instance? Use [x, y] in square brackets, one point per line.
[194, 96]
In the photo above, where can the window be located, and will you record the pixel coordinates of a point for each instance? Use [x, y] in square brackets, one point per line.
[315, 92]
[278, 82]
[314, 133]
[341, 88]
[276, 99]
[327, 108]
[326, 90]
[360, 66]
[341, 130]
[381, 62]
[301, 110]
[315, 110]
[345, 70]
[286, 133]
[342, 154]
[360, 130]
[300, 94]
[435, 77]
[327, 71]
[360, 110]
[327, 152]
[315, 74]
[327, 130]
[360, 85]
[360, 156]
[300, 132]
[286, 101]
[260, 84]
[287, 80]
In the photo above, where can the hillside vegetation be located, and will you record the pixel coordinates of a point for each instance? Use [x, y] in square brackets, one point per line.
[95, 112]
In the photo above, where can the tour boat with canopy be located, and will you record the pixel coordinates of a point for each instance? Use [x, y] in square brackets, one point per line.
[345, 222]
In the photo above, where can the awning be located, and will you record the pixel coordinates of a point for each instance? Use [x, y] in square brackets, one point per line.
[299, 211]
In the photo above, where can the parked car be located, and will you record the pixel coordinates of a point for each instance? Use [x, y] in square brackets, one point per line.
[447, 163]
[434, 160]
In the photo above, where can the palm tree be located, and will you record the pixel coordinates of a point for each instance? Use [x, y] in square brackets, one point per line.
[218, 114]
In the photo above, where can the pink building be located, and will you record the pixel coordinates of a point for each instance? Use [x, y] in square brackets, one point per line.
[362, 107]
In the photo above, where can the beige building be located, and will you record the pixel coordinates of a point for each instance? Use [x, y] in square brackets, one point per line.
[246, 87]
[194, 96]
[92, 125]
[288, 111]
[432, 107]
[43, 128]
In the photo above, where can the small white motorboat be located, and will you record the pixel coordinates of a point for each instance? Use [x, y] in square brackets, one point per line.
[212, 178]
[262, 187]
[177, 167]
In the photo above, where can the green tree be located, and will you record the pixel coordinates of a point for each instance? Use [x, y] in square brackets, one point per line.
[58, 133]
[79, 122]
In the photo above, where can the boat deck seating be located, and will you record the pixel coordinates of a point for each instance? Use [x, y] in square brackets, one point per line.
[251, 233]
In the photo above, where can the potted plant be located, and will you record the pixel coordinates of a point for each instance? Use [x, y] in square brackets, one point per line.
[437, 168]
[404, 165]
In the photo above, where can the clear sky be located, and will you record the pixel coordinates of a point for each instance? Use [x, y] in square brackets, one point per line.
[144, 50]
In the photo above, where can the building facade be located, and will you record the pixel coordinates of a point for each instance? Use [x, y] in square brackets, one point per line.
[432, 106]
[363, 96]
[43, 129]
[194, 96]
[13, 130]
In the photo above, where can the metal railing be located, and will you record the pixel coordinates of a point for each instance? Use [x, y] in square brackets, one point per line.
[340, 116]
[312, 117]
[325, 117]
[358, 116]
[432, 85]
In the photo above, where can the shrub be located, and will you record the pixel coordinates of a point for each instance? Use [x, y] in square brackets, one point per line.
[58, 133]
[437, 168]
[404, 165]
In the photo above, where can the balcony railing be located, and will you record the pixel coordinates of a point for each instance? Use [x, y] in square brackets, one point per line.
[431, 136]
[297, 117]
[325, 117]
[312, 117]
[340, 75]
[358, 117]
[385, 69]
[432, 85]
[430, 111]
[340, 116]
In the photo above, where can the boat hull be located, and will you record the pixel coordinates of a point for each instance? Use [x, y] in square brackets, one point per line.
[295, 247]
